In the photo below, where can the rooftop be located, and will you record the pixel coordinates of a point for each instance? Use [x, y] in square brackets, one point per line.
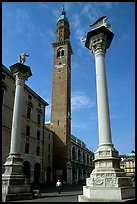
[78, 141]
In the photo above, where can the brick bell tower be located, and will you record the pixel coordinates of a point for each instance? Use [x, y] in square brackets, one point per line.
[61, 98]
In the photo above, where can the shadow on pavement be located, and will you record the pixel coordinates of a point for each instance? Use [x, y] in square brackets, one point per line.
[51, 188]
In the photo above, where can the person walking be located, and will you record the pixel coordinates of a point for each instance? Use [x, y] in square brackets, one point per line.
[58, 186]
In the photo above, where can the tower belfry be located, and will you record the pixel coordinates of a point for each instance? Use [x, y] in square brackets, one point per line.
[61, 97]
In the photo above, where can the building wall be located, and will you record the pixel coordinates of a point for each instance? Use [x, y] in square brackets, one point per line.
[128, 165]
[81, 164]
[8, 87]
[48, 155]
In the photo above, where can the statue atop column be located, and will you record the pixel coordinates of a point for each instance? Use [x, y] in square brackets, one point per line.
[101, 22]
[22, 58]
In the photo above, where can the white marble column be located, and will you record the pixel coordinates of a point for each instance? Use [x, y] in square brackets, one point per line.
[107, 182]
[17, 114]
[104, 128]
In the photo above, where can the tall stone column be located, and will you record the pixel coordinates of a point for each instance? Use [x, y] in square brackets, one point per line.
[14, 183]
[107, 181]
[105, 139]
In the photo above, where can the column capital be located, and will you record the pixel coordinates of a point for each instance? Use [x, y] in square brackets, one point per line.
[21, 71]
[98, 40]
[98, 45]
[20, 79]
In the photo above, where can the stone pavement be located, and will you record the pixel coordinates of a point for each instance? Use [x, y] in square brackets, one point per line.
[48, 193]
[69, 193]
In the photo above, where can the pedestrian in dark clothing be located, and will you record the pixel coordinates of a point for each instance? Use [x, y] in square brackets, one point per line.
[58, 186]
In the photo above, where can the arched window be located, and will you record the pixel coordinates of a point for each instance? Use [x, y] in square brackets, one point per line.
[73, 153]
[60, 52]
[83, 157]
[26, 169]
[79, 155]
[87, 159]
[37, 170]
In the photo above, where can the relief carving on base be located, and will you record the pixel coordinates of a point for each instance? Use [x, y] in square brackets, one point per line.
[102, 179]
[98, 180]
[110, 181]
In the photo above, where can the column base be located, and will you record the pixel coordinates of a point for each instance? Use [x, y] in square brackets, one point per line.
[107, 194]
[107, 181]
[15, 186]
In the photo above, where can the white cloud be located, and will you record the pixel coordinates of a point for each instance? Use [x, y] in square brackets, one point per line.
[22, 21]
[43, 5]
[109, 5]
[79, 101]
[83, 126]
[68, 5]
[90, 11]
[56, 13]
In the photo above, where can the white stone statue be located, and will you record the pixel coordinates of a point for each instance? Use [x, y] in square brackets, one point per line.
[101, 22]
[22, 58]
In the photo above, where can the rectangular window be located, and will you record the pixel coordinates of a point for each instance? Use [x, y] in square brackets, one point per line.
[49, 135]
[37, 150]
[48, 159]
[3, 76]
[27, 130]
[49, 148]
[39, 104]
[27, 148]
[58, 122]
[39, 118]
[28, 112]
[2, 95]
[38, 135]
[29, 97]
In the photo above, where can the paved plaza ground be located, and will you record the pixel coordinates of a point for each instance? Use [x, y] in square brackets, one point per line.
[48, 193]
[69, 193]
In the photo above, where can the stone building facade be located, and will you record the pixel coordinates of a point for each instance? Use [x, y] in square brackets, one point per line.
[81, 161]
[127, 163]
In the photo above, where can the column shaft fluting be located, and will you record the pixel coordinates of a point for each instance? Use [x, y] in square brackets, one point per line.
[17, 115]
[102, 101]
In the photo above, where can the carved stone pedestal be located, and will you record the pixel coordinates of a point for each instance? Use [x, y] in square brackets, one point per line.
[14, 184]
[107, 182]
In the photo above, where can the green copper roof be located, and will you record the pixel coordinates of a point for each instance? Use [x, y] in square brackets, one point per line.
[63, 15]
[132, 154]
[78, 141]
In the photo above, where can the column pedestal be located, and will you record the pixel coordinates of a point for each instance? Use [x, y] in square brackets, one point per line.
[14, 184]
[107, 182]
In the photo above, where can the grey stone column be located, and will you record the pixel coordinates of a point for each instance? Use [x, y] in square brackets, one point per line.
[17, 114]
[14, 184]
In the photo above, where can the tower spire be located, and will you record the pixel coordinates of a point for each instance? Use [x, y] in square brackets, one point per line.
[63, 11]
[63, 15]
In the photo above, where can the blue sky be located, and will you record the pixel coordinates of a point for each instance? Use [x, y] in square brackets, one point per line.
[31, 27]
